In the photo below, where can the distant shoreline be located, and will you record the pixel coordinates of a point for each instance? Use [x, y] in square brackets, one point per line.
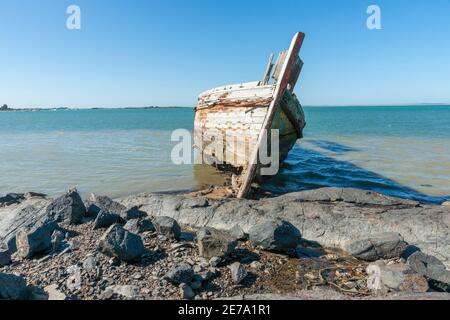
[185, 107]
[95, 108]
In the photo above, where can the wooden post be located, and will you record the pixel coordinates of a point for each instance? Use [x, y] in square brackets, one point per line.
[283, 80]
[268, 70]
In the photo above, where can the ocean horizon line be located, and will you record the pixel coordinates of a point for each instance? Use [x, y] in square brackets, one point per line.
[191, 107]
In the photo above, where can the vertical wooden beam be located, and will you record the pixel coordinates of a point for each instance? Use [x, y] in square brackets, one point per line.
[268, 70]
[285, 78]
[279, 65]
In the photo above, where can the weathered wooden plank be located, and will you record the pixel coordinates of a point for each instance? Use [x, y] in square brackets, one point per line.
[232, 149]
[281, 85]
[239, 114]
[243, 85]
[232, 125]
[279, 65]
[251, 95]
[268, 70]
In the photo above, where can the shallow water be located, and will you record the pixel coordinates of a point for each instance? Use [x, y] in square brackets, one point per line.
[401, 151]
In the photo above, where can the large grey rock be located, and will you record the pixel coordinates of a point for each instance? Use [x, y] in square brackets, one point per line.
[105, 219]
[238, 272]
[96, 203]
[35, 239]
[275, 235]
[329, 216]
[69, 208]
[167, 226]
[214, 243]
[13, 287]
[380, 246]
[181, 273]
[5, 255]
[139, 225]
[429, 266]
[120, 243]
[22, 215]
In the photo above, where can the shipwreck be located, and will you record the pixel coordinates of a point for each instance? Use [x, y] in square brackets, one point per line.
[234, 122]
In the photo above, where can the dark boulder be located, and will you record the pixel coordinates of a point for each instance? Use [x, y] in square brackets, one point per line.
[139, 225]
[167, 226]
[275, 235]
[105, 219]
[97, 203]
[214, 243]
[35, 239]
[182, 273]
[429, 266]
[380, 246]
[120, 243]
[5, 255]
[11, 198]
[19, 217]
[68, 208]
[13, 287]
[131, 213]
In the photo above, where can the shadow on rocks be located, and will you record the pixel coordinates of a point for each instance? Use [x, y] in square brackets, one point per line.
[150, 257]
[249, 280]
[309, 249]
[244, 256]
[69, 233]
[209, 286]
[187, 236]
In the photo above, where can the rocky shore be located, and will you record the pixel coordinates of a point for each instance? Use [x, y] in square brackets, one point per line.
[323, 244]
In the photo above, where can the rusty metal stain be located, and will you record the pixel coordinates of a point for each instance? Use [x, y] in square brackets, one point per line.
[235, 103]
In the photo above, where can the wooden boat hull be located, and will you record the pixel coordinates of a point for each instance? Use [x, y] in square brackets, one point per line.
[239, 124]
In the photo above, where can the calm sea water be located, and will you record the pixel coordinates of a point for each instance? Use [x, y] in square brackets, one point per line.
[400, 151]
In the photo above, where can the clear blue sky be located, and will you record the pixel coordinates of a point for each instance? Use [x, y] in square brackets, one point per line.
[160, 52]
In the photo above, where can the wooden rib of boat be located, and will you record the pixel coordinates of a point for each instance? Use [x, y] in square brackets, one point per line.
[231, 122]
